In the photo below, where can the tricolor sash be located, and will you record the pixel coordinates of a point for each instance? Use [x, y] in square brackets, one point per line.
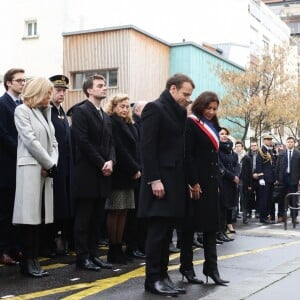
[206, 128]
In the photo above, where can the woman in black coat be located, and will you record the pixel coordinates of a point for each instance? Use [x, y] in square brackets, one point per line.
[202, 144]
[126, 172]
[228, 160]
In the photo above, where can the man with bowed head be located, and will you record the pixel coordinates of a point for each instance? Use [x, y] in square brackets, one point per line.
[163, 187]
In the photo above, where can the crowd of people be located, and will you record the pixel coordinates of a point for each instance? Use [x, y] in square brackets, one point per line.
[131, 174]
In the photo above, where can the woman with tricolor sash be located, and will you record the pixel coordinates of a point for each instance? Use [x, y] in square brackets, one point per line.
[201, 146]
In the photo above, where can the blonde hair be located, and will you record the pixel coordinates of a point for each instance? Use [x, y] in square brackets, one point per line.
[36, 90]
[112, 103]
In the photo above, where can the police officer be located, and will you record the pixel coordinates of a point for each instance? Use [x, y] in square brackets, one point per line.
[61, 229]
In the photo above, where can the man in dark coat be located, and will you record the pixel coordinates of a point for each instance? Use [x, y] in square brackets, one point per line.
[287, 175]
[95, 157]
[162, 195]
[265, 168]
[14, 81]
[63, 207]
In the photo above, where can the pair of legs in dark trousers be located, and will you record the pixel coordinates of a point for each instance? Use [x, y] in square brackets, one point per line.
[157, 248]
[288, 188]
[266, 204]
[86, 228]
[210, 252]
[9, 238]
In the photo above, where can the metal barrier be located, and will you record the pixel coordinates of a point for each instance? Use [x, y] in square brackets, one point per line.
[288, 205]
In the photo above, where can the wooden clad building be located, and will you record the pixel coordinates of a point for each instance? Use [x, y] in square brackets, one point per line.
[132, 61]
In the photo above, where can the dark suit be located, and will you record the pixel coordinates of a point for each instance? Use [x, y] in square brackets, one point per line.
[267, 168]
[288, 180]
[162, 153]
[94, 146]
[8, 157]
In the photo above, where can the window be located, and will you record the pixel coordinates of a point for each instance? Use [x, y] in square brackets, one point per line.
[30, 28]
[111, 77]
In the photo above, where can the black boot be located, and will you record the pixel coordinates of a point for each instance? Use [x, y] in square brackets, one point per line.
[120, 255]
[29, 267]
[111, 254]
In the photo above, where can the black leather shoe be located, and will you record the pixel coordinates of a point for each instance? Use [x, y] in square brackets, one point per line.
[173, 286]
[190, 276]
[99, 262]
[138, 254]
[216, 278]
[160, 288]
[87, 264]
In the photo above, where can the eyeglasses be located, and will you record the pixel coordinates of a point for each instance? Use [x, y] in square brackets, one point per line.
[19, 80]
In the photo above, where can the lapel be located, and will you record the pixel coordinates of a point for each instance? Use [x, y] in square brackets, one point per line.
[39, 115]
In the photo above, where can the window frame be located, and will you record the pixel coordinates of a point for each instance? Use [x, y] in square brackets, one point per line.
[107, 73]
[31, 33]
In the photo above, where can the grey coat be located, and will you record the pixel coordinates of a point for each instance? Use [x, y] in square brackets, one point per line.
[37, 149]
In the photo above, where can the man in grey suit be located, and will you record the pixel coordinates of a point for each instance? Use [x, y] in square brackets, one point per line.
[162, 195]
[287, 174]
[95, 157]
[14, 81]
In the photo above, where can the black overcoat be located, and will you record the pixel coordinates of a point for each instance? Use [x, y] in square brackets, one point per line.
[125, 140]
[228, 160]
[202, 168]
[8, 142]
[63, 205]
[94, 146]
[162, 154]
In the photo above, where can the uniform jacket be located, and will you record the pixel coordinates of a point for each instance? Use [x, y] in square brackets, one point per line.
[8, 142]
[281, 167]
[266, 167]
[125, 140]
[162, 154]
[202, 168]
[63, 207]
[94, 146]
[37, 149]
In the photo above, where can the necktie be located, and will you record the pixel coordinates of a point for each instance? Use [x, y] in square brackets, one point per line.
[18, 102]
[289, 161]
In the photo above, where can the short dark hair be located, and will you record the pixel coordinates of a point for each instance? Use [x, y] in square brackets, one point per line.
[202, 102]
[9, 75]
[178, 80]
[89, 81]
[291, 138]
[225, 129]
[239, 143]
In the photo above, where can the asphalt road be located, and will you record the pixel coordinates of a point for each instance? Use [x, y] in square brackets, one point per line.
[263, 262]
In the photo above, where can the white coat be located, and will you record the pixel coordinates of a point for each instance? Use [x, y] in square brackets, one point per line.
[37, 149]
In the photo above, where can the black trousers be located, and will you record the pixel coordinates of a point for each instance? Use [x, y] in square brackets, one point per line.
[86, 228]
[266, 204]
[9, 236]
[210, 251]
[157, 248]
[30, 236]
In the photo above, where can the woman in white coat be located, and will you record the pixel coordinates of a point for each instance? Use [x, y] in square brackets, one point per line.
[37, 157]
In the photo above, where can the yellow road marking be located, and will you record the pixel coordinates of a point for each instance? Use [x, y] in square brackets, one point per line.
[100, 285]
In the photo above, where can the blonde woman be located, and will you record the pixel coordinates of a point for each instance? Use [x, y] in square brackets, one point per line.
[126, 172]
[37, 156]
